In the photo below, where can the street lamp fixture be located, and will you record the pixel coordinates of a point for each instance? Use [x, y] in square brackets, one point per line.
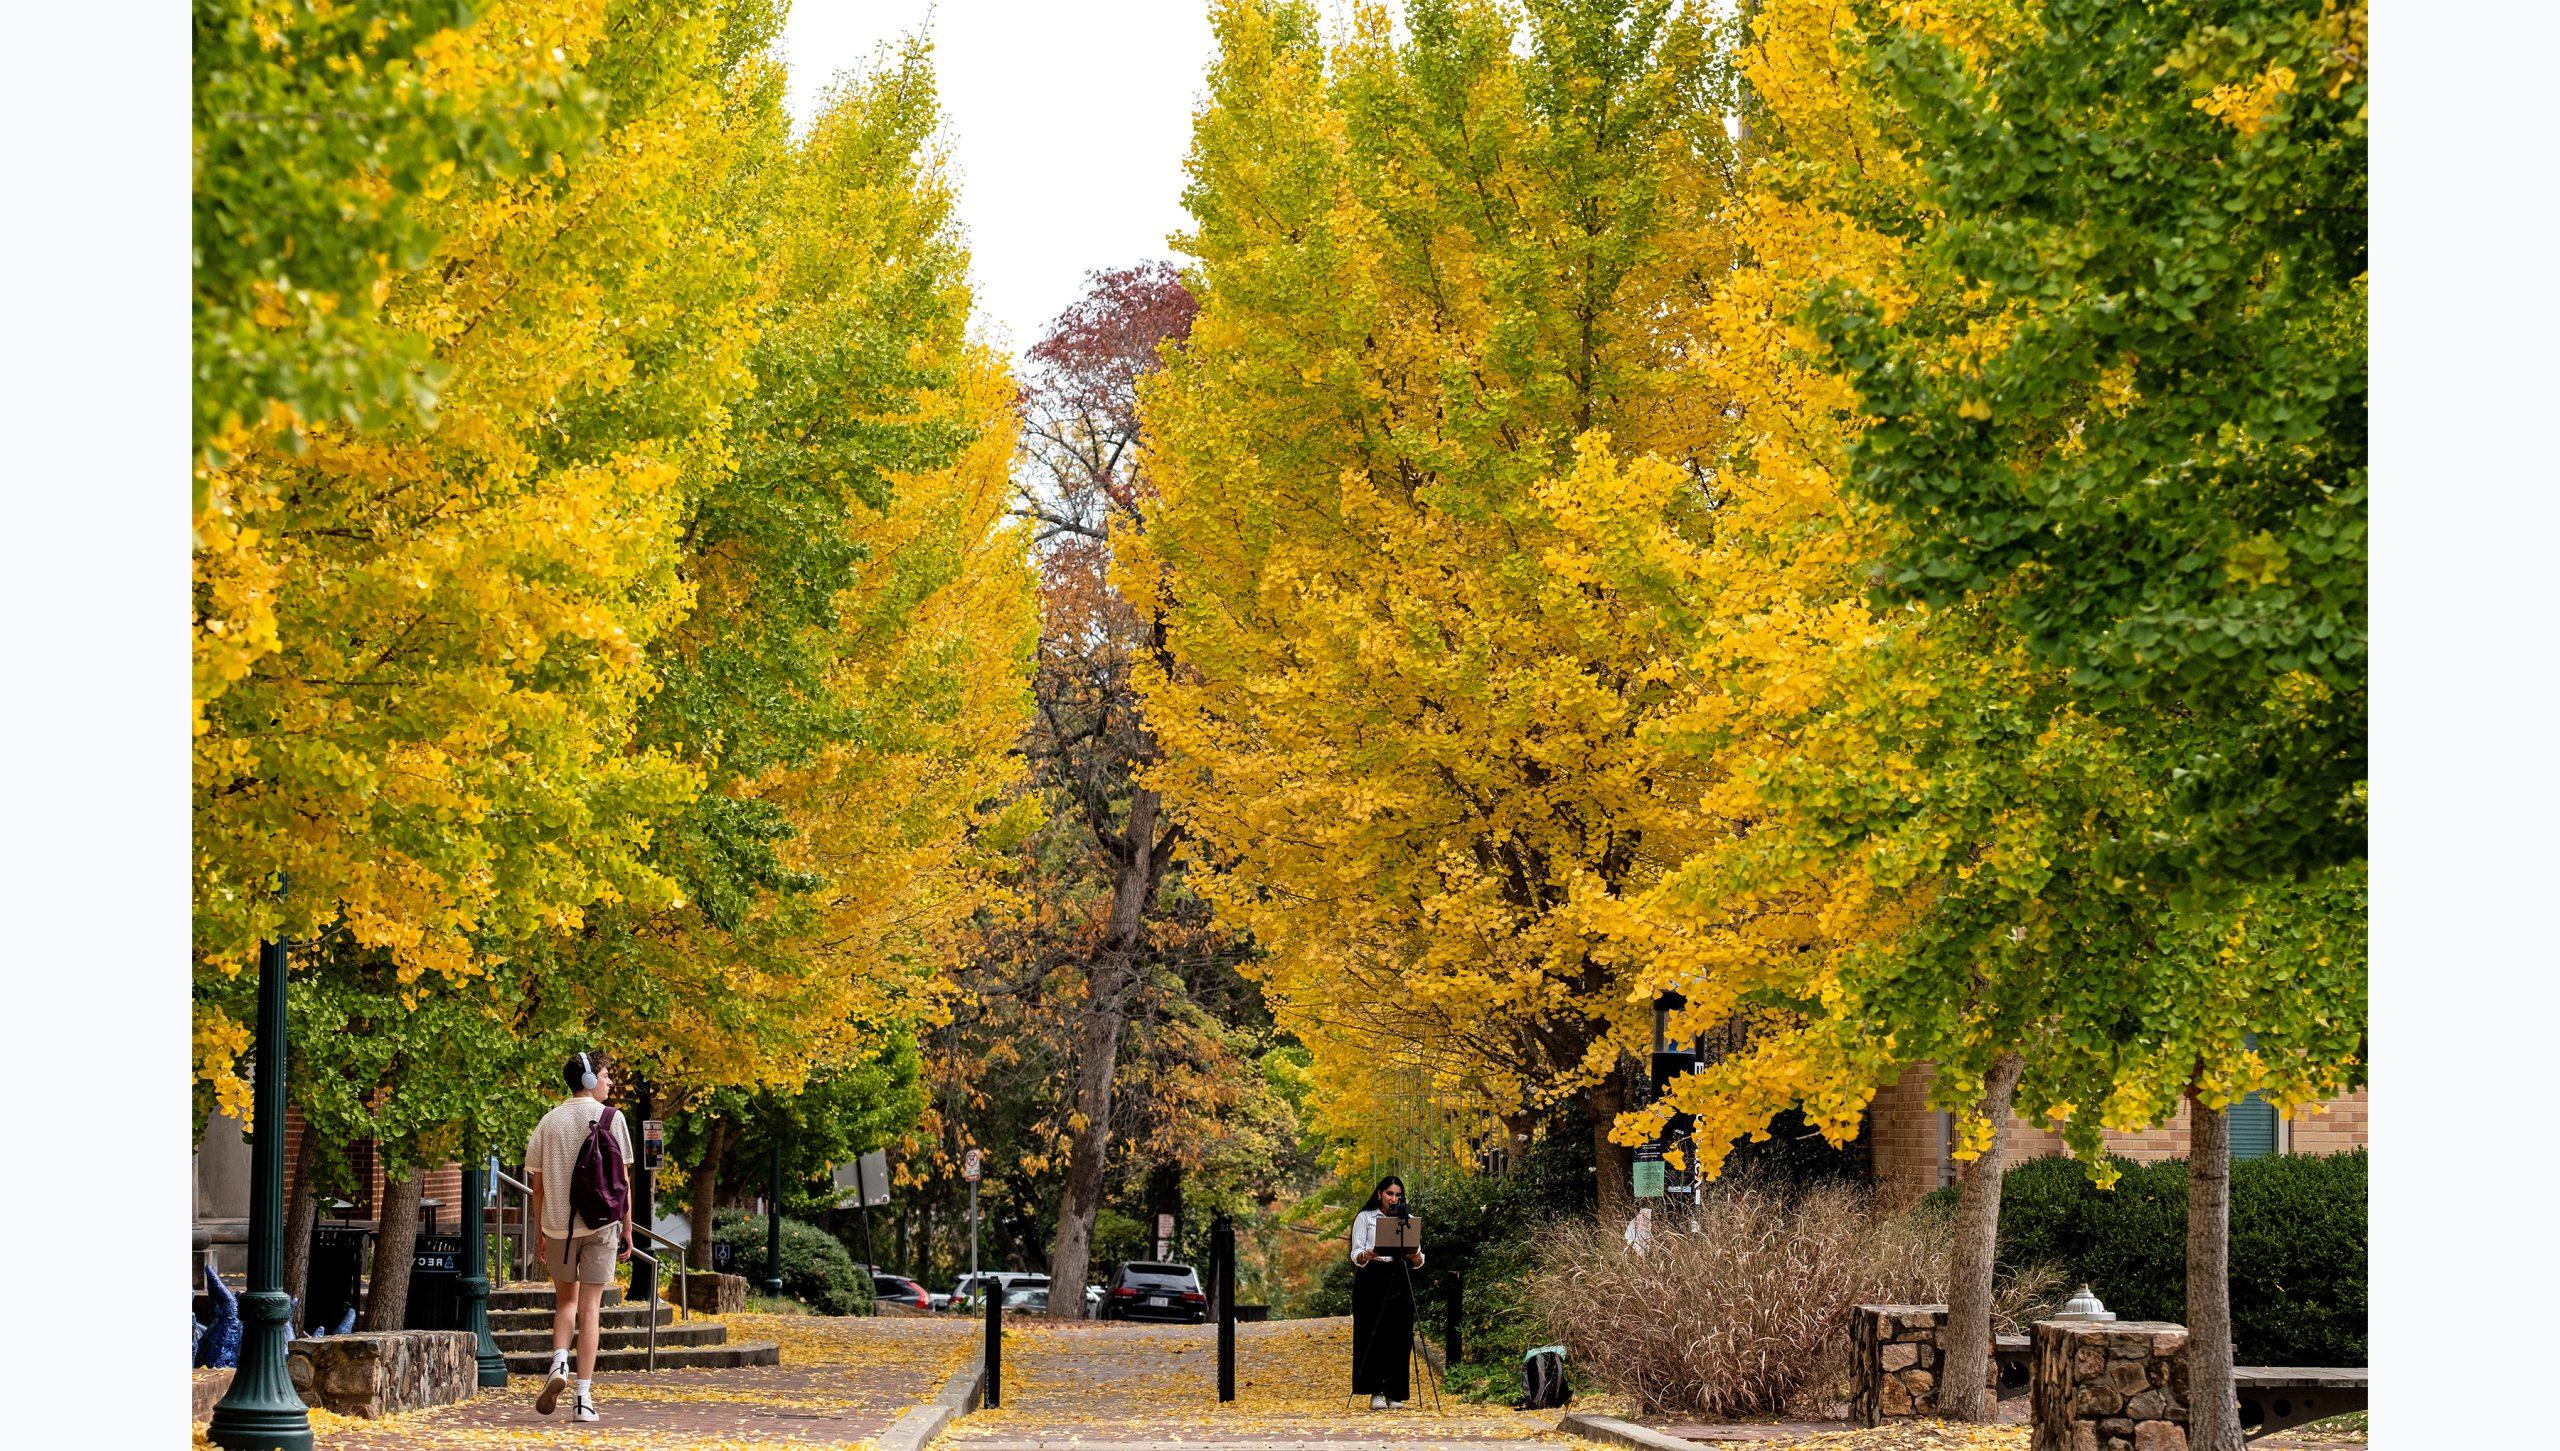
[262, 1412]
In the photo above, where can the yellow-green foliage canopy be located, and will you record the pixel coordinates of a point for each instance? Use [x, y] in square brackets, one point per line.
[655, 685]
[1438, 365]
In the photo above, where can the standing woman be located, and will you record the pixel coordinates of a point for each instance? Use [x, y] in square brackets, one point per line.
[1381, 1304]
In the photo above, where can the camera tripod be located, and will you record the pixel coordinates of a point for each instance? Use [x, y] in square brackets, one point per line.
[1413, 1340]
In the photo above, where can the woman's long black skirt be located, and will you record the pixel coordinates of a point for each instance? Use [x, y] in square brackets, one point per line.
[1381, 1330]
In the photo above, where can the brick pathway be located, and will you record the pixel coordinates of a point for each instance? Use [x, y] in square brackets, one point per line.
[1123, 1387]
[841, 1383]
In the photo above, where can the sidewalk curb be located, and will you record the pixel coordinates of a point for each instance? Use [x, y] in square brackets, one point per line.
[1615, 1432]
[917, 1426]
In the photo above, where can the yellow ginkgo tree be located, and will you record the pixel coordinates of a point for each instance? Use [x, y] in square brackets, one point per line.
[1447, 285]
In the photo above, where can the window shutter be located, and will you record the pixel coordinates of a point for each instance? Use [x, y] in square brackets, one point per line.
[2253, 1128]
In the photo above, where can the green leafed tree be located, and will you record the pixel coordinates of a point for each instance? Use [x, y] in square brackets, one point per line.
[2128, 412]
[318, 129]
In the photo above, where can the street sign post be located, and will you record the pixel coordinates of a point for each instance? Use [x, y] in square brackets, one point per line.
[1648, 1172]
[969, 1171]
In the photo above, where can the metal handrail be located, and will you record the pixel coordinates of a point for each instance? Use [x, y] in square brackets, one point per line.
[638, 1253]
[684, 1291]
[504, 1181]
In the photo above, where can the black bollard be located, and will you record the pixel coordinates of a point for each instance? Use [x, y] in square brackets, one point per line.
[995, 1342]
[1222, 1272]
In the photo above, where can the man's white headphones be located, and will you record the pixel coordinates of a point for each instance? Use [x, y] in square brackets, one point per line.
[586, 1074]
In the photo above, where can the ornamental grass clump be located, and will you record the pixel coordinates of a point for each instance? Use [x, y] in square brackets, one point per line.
[1741, 1311]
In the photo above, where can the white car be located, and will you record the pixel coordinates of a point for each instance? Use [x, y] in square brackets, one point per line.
[1018, 1285]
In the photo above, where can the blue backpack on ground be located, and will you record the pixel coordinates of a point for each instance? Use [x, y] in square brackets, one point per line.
[1542, 1383]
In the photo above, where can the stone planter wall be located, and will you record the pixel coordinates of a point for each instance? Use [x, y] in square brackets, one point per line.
[2113, 1386]
[708, 1292]
[1896, 1353]
[375, 1375]
[211, 1386]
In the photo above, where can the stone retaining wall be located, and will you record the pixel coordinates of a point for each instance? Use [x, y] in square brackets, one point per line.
[2110, 1386]
[1896, 1353]
[375, 1375]
[708, 1292]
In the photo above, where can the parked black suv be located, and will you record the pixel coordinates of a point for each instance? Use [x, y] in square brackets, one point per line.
[1155, 1292]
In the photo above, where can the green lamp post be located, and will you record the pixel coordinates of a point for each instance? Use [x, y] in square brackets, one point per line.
[262, 1412]
[773, 1224]
[475, 1285]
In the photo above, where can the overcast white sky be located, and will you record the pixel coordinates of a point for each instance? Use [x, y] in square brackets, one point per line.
[1069, 119]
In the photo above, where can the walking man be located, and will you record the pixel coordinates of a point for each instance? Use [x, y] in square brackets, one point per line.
[579, 1243]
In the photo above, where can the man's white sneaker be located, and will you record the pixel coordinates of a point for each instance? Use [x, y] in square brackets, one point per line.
[1395, 1405]
[551, 1389]
[1377, 1403]
[585, 1411]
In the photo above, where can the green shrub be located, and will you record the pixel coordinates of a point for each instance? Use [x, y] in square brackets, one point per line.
[2297, 1246]
[816, 1269]
[1487, 1229]
[1331, 1293]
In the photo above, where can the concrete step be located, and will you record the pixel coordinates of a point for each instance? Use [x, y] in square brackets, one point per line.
[615, 1317]
[629, 1338]
[689, 1357]
[537, 1297]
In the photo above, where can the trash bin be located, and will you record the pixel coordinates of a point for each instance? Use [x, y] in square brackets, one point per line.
[435, 1291]
[337, 1274]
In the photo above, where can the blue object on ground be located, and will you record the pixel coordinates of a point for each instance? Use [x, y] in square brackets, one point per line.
[221, 1344]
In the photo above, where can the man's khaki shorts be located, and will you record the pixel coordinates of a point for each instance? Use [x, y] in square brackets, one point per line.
[587, 1260]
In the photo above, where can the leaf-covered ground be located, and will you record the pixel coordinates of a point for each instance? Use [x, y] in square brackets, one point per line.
[1077, 1387]
[841, 1383]
[1096, 1386]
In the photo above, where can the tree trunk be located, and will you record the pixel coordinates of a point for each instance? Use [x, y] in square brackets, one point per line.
[1097, 1063]
[1963, 1382]
[1615, 1164]
[2213, 1404]
[386, 1304]
[301, 1216]
[706, 1192]
[924, 1247]
[1164, 1196]
[1098, 1059]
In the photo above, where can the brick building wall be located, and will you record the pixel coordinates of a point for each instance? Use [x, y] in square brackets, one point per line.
[1909, 1142]
[444, 1184]
[1904, 1131]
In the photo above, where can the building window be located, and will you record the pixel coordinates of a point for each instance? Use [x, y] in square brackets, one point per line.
[2253, 1129]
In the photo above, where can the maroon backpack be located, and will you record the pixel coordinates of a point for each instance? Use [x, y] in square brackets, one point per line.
[600, 1185]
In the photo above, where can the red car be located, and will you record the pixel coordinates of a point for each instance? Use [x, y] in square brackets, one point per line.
[899, 1290]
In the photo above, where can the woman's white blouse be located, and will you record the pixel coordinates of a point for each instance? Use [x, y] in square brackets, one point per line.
[1364, 1236]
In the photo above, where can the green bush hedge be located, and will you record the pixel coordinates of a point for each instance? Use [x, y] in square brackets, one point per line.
[815, 1266]
[2297, 1246]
